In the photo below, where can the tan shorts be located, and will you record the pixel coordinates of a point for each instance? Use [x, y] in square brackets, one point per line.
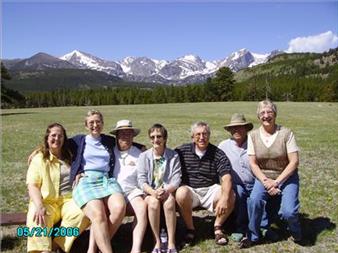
[205, 196]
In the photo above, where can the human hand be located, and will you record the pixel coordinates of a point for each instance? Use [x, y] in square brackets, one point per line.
[77, 179]
[39, 215]
[273, 191]
[269, 183]
[222, 206]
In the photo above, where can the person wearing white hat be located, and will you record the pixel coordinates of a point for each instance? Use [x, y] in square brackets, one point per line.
[126, 156]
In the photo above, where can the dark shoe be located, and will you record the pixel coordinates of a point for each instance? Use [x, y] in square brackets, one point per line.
[246, 243]
[189, 238]
[220, 237]
[269, 235]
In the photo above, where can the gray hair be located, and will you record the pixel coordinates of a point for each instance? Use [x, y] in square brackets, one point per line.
[91, 113]
[266, 103]
[199, 124]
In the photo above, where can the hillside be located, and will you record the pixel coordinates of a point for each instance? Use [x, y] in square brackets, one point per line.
[300, 64]
[52, 79]
[297, 77]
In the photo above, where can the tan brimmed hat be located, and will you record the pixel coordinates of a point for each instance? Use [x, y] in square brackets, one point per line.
[238, 119]
[125, 124]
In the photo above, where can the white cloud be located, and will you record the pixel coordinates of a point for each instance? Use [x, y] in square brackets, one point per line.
[315, 43]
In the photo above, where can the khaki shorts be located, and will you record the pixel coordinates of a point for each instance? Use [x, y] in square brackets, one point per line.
[205, 196]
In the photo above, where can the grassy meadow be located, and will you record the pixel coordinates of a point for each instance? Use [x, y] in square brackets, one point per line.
[315, 126]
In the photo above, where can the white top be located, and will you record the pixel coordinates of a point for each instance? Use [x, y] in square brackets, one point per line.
[125, 168]
[291, 145]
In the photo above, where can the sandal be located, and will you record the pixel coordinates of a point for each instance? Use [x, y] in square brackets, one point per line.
[189, 237]
[220, 238]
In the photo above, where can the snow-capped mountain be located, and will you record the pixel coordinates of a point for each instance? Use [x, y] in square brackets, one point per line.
[88, 61]
[186, 69]
[243, 59]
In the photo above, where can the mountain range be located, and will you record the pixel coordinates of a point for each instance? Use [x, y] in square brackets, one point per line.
[183, 70]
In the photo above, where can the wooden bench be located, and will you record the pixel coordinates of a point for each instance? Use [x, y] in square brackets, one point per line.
[12, 219]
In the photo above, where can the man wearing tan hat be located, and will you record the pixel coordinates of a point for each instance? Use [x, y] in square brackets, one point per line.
[242, 178]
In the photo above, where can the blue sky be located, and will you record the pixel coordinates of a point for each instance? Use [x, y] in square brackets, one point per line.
[114, 30]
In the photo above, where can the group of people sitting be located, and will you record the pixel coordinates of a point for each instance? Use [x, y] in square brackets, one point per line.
[96, 179]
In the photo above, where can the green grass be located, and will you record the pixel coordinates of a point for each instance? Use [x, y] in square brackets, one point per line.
[315, 126]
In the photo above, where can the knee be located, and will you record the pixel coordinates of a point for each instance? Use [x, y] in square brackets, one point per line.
[170, 204]
[183, 194]
[98, 217]
[118, 206]
[153, 204]
[288, 213]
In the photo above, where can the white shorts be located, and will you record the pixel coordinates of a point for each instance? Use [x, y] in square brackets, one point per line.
[205, 196]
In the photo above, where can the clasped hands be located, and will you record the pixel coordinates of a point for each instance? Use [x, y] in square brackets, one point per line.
[272, 186]
[161, 193]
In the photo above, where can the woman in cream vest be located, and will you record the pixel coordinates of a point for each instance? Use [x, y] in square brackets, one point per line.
[273, 156]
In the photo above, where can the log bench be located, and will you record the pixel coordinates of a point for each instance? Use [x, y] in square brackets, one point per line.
[7, 219]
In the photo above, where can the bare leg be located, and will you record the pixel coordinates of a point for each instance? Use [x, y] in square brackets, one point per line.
[92, 247]
[139, 206]
[184, 201]
[95, 211]
[221, 219]
[117, 210]
[154, 207]
[169, 207]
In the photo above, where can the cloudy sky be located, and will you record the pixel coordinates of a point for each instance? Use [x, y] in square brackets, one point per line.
[166, 30]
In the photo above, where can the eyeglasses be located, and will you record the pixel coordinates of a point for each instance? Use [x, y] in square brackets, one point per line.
[155, 136]
[266, 112]
[198, 135]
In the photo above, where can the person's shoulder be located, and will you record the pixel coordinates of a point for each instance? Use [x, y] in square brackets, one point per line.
[77, 137]
[283, 128]
[216, 150]
[224, 142]
[184, 147]
[171, 152]
[37, 158]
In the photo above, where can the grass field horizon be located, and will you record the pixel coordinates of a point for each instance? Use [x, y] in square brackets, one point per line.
[315, 126]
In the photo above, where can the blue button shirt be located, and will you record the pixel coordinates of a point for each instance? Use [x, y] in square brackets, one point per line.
[241, 172]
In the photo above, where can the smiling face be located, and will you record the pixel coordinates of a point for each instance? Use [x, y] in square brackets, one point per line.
[94, 125]
[125, 139]
[55, 140]
[239, 134]
[201, 137]
[267, 116]
[157, 139]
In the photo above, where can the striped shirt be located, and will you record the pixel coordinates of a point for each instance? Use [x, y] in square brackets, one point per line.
[202, 172]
